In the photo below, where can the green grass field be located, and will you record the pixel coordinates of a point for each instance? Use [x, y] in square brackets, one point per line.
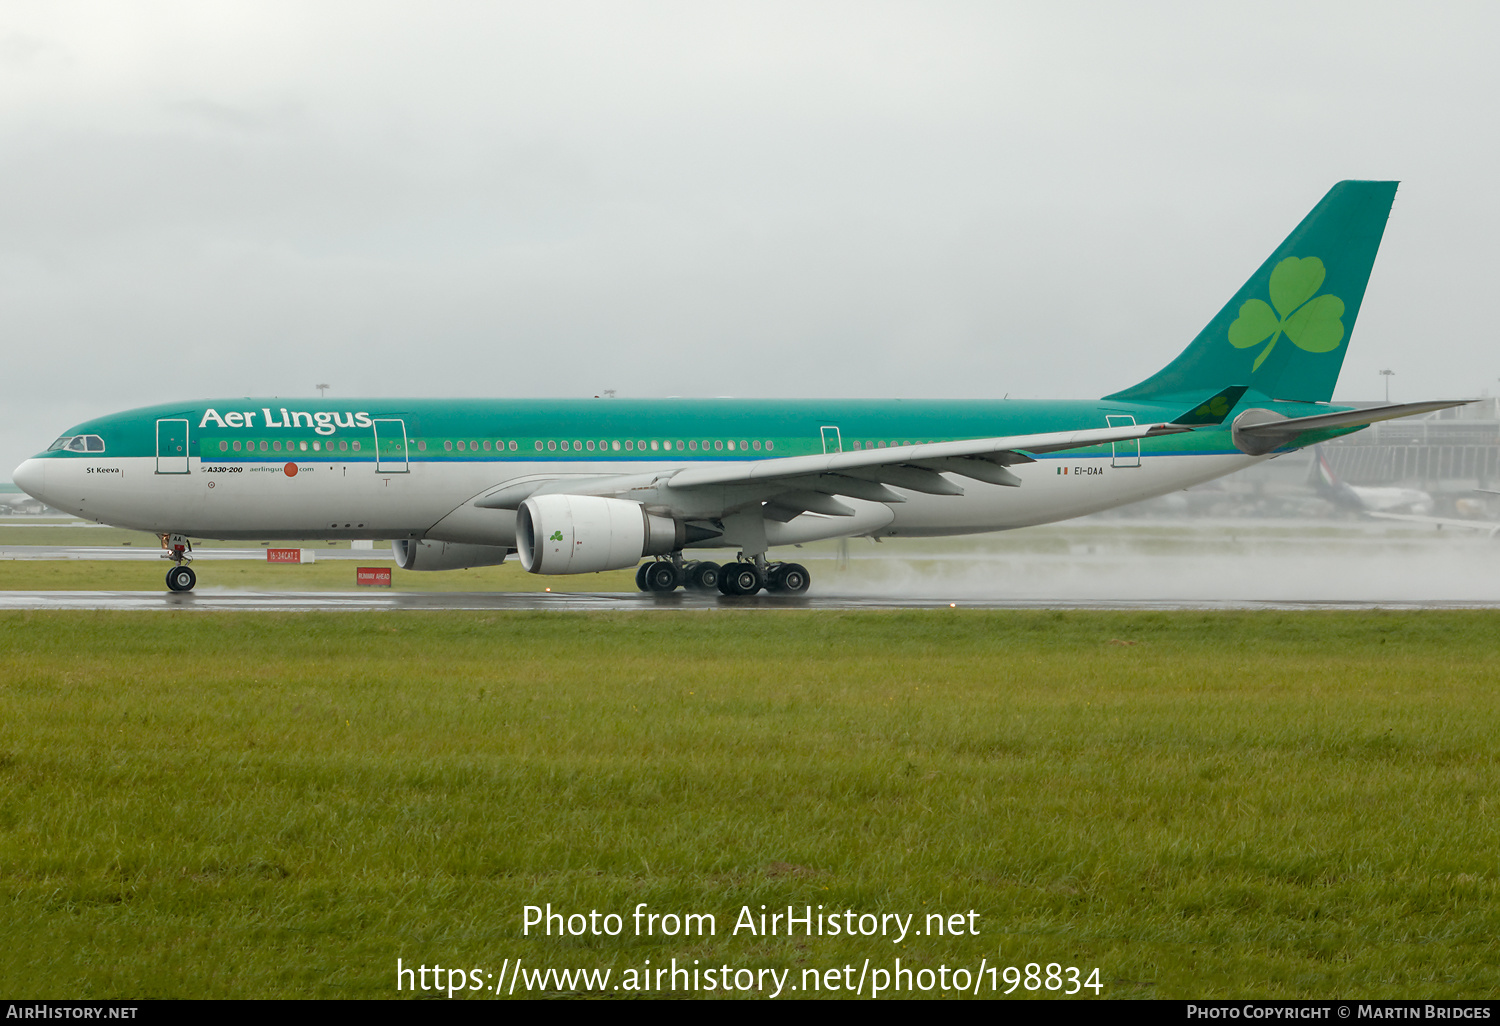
[1199, 804]
[256, 575]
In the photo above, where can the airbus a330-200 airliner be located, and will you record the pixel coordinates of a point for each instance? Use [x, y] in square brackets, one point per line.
[578, 486]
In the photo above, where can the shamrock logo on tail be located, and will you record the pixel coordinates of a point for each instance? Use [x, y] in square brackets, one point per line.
[1314, 325]
[1218, 406]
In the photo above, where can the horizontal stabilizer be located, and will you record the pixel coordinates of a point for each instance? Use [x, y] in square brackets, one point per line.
[1257, 432]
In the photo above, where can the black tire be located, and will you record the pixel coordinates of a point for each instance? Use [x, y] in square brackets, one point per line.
[661, 578]
[744, 578]
[794, 578]
[181, 578]
[640, 577]
[726, 579]
[704, 576]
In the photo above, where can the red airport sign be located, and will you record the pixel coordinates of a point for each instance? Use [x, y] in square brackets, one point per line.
[372, 576]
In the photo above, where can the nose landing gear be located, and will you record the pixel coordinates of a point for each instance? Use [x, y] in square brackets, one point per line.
[179, 550]
[181, 578]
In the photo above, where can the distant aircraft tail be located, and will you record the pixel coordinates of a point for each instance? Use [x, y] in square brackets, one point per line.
[1285, 332]
[1328, 485]
[1320, 474]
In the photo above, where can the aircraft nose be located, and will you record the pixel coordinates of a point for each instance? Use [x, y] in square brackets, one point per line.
[31, 478]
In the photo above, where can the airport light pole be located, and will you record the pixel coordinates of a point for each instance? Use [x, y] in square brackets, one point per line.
[1387, 375]
[324, 388]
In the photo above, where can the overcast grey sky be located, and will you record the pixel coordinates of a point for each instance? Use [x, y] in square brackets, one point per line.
[851, 199]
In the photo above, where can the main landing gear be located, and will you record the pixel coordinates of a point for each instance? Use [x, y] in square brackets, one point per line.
[179, 550]
[746, 577]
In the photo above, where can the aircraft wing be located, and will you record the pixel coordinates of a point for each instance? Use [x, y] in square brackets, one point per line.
[799, 484]
[1001, 451]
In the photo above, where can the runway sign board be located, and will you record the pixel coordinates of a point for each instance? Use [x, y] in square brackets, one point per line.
[372, 576]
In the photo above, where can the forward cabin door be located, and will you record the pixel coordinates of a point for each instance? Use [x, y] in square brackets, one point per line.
[390, 446]
[1128, 452]
[172, 446]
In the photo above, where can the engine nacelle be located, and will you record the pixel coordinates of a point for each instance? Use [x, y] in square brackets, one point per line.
[426, 555]
[580, 534]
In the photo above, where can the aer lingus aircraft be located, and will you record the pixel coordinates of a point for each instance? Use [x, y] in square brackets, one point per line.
[580, 486]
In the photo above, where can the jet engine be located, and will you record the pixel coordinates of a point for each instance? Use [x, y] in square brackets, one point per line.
[579, 534]
[426, 555]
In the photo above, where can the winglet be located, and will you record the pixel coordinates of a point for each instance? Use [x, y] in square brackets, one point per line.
[1214, 410]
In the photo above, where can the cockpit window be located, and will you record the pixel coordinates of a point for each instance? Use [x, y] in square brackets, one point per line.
[78, 443]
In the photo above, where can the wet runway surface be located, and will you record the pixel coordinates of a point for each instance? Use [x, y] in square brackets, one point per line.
[211, 600]
[1140, 565]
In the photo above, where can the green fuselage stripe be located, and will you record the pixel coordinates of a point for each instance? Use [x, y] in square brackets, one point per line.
[623, 431]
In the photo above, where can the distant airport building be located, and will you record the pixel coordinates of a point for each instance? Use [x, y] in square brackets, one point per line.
[1452, 451]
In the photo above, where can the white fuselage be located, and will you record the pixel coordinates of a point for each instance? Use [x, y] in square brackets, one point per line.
[436, 500]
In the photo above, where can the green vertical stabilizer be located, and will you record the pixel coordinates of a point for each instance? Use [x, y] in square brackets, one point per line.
[1286, 330]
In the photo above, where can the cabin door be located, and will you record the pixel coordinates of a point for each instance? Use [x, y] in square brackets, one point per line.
[390, 446]
[1128, 452]
[172, 446]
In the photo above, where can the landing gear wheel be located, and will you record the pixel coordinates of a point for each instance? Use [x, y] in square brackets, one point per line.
[181, 578]
[741, 579]
[640, 577]
[773, 576]
[661, 577]
[704, 576]
[793, 578]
